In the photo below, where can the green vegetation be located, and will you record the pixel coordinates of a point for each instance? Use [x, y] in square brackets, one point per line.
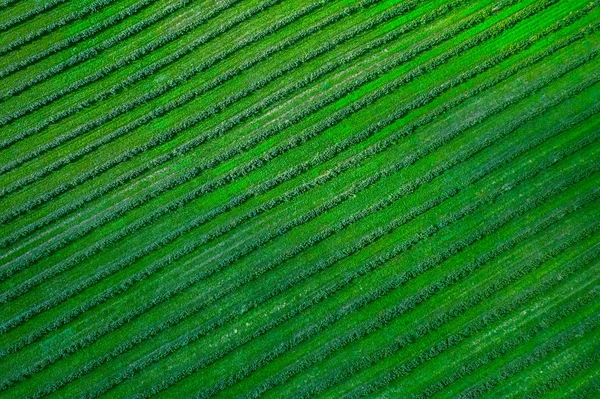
[294, 199]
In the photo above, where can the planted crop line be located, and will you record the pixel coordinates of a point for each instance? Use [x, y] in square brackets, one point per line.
[152, 247]
[137, 339]
[130, 175]
[149, 70]
[530, 61]
[6, 25]
[195, 93]
[194, 335]
[343, 166]
[399, 249]
[539, 353]
[413, 303]
[23, 288]
[509, 345]
[223, 128]
[338, 169]
[456, 338]
[76, 38]
[337, 117]
[162, 352]
[388, 200]
[575, 369]
[55, 25]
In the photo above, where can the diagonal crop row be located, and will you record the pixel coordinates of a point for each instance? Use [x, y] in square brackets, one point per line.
[580, 88]
[444, 318]
[269, 356]
[47, 6]
[189, 338]
[296, 141]
[195, 93]
[461, 245]
[76, 38]
[132, 175]
[166, 87]
[471, 328]
[107, 44]
[345, 251]
[283, 199]
[591, 323]
[137, 54]
[573, 370]
[74, 16]
[531, 61]
[336, 171]
[508, 345]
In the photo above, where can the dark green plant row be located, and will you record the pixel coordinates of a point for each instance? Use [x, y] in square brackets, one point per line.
[135, 55]
[195, 93]
[74, 16]
[556, 343]
[76, 38]
[46, 6]
[455, 161]
[338, 342]
[474, 327]
[298, 140]
[283, 199]
[545, 322]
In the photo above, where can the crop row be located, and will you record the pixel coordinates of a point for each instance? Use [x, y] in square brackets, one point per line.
[195, 93]
[186, 248]
[444, 319]
[135, 55]
[123, 108]
[157, 112]
[6, 3]
[47, 6]
[287, 196]
[333, 260]
[534, 59]
[497, 284]
[55, 25]
[429, 263]
[473, 327]
[285, 345]
[538, 353]
[507, 345]
[76, 38]
[584, 364]
[106, 44]
[579, 88]
[112, 294]
[131, 175]
[294, 142]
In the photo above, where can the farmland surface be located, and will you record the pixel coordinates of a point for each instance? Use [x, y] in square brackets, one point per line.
[299, 198]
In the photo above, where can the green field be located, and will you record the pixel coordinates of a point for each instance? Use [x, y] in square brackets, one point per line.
[294, 199]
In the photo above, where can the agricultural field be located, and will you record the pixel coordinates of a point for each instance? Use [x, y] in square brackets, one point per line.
[299, 198]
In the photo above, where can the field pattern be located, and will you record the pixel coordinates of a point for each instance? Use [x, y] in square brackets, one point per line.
[296, 199]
